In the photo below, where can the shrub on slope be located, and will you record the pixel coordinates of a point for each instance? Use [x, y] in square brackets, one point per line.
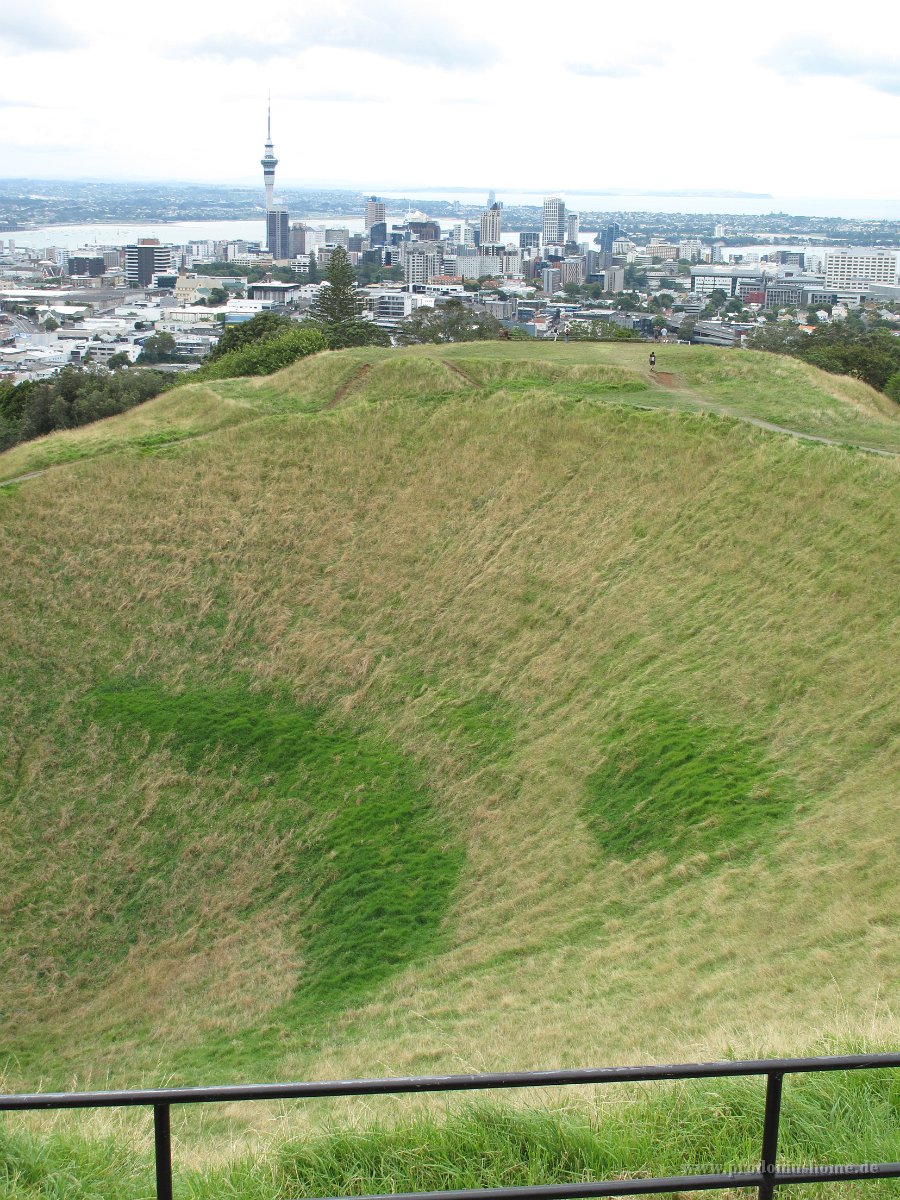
[264, 357]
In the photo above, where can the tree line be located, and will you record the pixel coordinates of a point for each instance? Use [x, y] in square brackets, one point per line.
[76, 396]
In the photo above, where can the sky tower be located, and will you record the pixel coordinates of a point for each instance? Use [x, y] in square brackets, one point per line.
[269, 162]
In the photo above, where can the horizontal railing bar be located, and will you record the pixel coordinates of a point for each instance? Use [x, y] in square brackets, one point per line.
[441, 1083]
[642, 1187]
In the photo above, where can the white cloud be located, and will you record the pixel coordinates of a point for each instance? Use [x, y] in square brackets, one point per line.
[872, 68]
[392, 29]
[34, 28]
[474, 94]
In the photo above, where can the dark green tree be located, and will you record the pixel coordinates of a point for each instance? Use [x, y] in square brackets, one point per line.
[451, 322]
[337, 300]
[261, 328]
[337, 309]
[75, 397]
[159, 347]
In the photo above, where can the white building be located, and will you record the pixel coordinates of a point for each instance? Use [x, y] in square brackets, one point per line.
[490, 226]
[554, 223]
[375, 212]
[421, 265]
[855, 269]
[389, 306]
[175, 319]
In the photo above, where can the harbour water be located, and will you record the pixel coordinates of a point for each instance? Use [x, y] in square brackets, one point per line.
[180, 233]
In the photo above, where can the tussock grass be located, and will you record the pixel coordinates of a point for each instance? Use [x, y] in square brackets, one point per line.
[481, 593]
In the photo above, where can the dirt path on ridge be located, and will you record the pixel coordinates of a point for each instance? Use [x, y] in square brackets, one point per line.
[347, 387]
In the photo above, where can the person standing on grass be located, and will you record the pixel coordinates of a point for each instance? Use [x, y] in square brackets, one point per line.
[652, 360]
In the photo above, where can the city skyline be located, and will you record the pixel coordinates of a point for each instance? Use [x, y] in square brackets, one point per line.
[696, 99]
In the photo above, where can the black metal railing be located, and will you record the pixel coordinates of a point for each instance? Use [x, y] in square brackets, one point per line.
[765, 1180]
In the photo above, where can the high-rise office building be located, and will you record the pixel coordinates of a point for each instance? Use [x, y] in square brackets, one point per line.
[424, 231]
[375, 213]
[572, 227]
[268, 163]
[490, 226]
[86, 264]
[144, 259]
[278, 232]
[610, 234]
[554, 230]
[297, 243]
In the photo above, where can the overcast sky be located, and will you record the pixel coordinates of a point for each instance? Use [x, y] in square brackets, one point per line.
[781, 96]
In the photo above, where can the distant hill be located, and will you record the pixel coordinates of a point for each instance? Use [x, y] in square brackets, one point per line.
[457, 708]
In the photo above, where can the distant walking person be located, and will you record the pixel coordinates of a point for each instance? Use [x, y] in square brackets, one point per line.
[652, 360]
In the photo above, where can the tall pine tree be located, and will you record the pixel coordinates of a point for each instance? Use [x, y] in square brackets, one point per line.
[337, 309]
[337, 300]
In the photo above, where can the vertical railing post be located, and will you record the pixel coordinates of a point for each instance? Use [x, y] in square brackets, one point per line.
[162, 1146]
[770, 1134]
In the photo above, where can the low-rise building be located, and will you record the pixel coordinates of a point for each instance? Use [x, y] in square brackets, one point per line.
[276, 293]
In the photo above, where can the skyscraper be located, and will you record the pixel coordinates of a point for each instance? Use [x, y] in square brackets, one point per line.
[269, 162]
[554, 221]
[609, 235]
[490, 226]
[374, 212]
[278, 233]
[572, 227]
[144, 259]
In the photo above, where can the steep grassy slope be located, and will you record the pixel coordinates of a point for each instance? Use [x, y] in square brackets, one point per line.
[756, 387]
[478, 719]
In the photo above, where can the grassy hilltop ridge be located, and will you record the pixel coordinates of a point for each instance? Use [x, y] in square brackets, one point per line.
[468, 708]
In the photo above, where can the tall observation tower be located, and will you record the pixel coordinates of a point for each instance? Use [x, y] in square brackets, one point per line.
[269, 162]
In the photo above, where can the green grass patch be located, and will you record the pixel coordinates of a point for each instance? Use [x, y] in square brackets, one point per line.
[373, 867]
[679, 786]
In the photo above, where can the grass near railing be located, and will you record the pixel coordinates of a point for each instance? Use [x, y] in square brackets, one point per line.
[690, 1127]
